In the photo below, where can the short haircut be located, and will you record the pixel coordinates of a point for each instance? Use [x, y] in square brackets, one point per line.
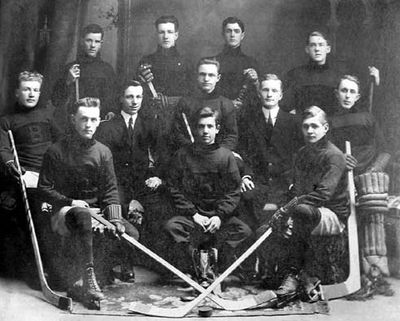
[267, 76]
[92, 28]
[85, 102]
[350, 78]
[29, 76]
[314, 111]
[167, 19]
[208, 61]
[206, 112]
[232, 20]
[129, 83]
[316, 33]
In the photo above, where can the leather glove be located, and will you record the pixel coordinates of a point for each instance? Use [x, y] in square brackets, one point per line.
[145, 74]
[113, 213]
[13, 170]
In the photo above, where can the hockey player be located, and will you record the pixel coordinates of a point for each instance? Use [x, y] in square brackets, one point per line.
[78, 174]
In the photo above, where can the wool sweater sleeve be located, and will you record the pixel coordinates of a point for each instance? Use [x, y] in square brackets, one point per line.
[229, 130]
[108, 181]
[5, 150]
[47, 180]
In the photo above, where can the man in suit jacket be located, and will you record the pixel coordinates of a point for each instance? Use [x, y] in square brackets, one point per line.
[129, 137]
[269, 138]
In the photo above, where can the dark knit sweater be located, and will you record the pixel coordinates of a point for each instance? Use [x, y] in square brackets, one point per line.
[172, 74]
[233, 61]
[320, 177]
[33, 130]
[363, 132]
[77, 169]
[191, 105]
[97, 79]
[312, 84]
[205, 180]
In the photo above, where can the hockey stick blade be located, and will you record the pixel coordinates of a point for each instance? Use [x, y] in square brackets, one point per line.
[60, 301]
[352, 283]
[246, 303]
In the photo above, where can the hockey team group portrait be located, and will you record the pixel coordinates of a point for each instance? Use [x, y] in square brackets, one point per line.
[200, 158]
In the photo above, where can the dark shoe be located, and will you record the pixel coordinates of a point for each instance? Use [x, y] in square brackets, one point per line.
[127, 275]
[288, 287]
[310, 287]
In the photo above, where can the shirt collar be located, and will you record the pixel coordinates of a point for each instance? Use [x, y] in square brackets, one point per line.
[126, 117]
[274, 113]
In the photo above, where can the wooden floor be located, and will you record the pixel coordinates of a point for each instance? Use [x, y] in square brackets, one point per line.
[18, 302]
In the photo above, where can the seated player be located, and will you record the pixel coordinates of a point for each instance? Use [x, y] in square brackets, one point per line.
[320, 183]
[78, 174]
[350, 122]
[205, 186]
[34, 131]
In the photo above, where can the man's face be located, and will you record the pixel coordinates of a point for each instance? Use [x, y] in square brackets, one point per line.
[92, 44]
[233, 35]
[132, 99]
[86, 120]
[28, 93]
[167, 35]
[347, 93]
[318, 49]
[314, 129]
[271, 93]
[207, 77]
[207, 130]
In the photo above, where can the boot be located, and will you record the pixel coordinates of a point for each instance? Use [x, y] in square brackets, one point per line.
[288, 290]
[91, 291]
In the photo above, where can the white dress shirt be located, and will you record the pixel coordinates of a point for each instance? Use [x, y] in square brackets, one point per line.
[126, 117]
[274, 114]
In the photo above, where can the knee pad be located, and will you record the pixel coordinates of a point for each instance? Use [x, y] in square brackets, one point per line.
[79, 218]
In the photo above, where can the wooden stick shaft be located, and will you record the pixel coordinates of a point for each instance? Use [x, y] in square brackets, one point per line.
[77, 89]
[188, 127]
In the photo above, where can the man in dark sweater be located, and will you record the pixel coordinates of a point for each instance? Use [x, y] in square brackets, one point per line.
[34, 131]
[205, 186]
[96, 77]
[207, 78]
[350, 122]
[239, 78]
[78, 174]
[320, 183]
[315, 82]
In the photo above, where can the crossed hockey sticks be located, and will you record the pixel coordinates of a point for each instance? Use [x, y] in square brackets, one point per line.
[249, 302]
[182, 311]
[352, 283]
[62, 302]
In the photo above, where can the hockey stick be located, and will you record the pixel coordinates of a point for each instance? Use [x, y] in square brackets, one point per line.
[232, 305]
[62, 302]
[77, 89]
[182, 311]
[188, 127]
[352, 283]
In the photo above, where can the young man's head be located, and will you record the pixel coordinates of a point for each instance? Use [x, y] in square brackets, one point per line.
[233, 31]
[317, 47]
[132, 97]
[348, 91]
[92, 39]
[208, 74]
[207, 125]
[28, 88]
[167, 31]
[315, 124]
[270, 90]
[86, 116]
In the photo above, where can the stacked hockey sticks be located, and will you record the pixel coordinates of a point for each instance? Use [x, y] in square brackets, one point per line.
[62, 302]
[249, 302]
[352, 284]
[182, 311]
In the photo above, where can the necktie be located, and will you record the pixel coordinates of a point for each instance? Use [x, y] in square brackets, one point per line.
[270, 125]
[130, 128]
